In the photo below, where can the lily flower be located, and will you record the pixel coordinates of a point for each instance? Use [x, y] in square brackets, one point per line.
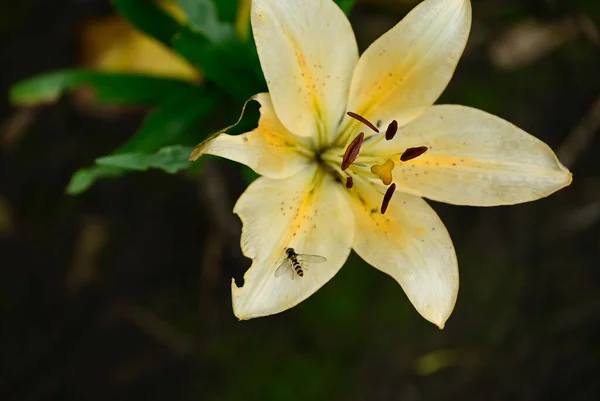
[347, 147]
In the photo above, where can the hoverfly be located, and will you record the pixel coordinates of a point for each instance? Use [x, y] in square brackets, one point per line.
[296, 262]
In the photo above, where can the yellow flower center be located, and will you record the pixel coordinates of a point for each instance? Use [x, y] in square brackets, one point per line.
[350, 167]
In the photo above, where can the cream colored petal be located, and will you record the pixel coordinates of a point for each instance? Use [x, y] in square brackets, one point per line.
[306, 212]
[410, 243]
[307, 51]
[474, 158]
[270, 149]
[408, 67]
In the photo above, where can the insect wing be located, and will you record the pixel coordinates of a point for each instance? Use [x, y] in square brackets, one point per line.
[284, 267]
[312, 258]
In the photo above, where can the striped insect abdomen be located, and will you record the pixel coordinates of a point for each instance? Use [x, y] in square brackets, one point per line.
[297, 266]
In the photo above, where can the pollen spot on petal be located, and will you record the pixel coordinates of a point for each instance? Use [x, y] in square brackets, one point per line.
[384, 171]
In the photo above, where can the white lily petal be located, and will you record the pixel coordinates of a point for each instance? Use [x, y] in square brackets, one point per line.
[474, 158]
[410, 243]
[270, 150]
[307, 51]
[407, 68]
[306, 212]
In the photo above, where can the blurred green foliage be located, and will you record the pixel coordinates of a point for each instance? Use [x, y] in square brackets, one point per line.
[173, 122]
[203, 19]
[109, 89]
[170, 159]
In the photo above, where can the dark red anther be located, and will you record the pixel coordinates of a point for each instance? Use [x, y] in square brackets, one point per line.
[387, 198]
[363, 120]
[391, 130]
[412, 153]
[349, 182]
[352, 151]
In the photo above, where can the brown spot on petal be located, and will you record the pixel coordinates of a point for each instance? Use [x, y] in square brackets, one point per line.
[352, 151]
[349, 182]
[412, 153]
[384, 171]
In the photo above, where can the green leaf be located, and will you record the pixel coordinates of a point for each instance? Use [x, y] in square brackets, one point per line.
[203, 18]
[228, 9]
[345, 5]
[232, 65]
[170, 123]
[84, 178]
[170, 159]
[109, 88]
[174, 122]
[149, 18]
[249, 175]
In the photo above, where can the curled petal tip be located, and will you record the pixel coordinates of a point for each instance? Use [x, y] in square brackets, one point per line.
[196, 153]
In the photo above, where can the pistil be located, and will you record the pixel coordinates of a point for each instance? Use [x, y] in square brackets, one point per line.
[384, 171]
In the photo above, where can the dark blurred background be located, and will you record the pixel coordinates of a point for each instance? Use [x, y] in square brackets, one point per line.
[123, 292]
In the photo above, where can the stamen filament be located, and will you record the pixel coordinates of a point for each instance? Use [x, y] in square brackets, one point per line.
[352, 174]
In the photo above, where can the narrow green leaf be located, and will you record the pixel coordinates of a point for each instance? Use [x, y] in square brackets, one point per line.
[170, 159]
[149, 18]
[84, 178]
[203, 18]
[109, 88]
[172, 123]
[346, 5]
[169, 124]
